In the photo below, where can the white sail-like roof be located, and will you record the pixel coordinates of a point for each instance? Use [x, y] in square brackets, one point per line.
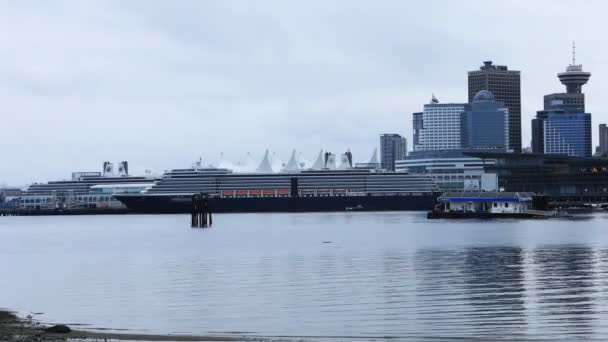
[303, 163]
[224, 164]
[265, 166]
[248, 165]
[276, 162]
[374, 158]
[292, 164]
[319, 162]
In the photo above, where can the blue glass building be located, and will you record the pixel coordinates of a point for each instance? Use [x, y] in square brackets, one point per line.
[485, 124]
[565, 132]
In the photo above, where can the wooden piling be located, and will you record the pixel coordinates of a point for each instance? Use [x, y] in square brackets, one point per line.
[200, 213]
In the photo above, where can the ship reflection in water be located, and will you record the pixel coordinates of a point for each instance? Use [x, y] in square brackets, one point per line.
[346, 276]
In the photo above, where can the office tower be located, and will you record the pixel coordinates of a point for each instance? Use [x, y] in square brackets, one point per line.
[563, 127]
[603, 148]
[437, 128]
[505, 84]
[392, 147]
[538, 135]
[418, 126]
[485, 124]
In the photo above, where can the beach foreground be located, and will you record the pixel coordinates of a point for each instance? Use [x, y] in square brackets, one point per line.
[14, 328]
[17, 329]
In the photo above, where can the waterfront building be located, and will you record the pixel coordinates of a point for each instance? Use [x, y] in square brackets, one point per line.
[602, 149]
[563, 127]
[487, 202]
[9, 197]
[451, 170]
[505, 84]
[566, 179]
[485, 124]
[438, 149]
[437, 128]
[10, 192]
[392, 147]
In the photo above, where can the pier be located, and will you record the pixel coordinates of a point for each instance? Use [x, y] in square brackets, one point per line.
[201, 213]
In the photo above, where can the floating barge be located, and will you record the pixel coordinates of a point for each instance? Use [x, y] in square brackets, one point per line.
[485, 205]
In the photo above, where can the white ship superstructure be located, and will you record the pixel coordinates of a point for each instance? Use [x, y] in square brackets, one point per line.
[86, 189]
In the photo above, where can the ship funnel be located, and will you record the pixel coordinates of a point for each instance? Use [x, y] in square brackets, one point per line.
[330, 161]
[123, 169]
[346, 161]
[108, 169]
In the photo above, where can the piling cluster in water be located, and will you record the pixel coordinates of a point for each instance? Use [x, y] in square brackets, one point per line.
[201, 213]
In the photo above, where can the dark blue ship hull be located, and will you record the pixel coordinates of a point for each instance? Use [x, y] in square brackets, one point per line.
[160, 204]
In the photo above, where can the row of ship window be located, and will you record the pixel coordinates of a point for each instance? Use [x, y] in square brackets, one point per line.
[456, 177]
[328, 194]
[77, 198]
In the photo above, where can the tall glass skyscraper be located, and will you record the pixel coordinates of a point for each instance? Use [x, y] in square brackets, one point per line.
[505, 84]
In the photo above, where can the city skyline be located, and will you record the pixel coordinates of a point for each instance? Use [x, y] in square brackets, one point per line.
[161, 86]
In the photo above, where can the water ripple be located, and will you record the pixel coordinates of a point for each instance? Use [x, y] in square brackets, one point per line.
[393, 276]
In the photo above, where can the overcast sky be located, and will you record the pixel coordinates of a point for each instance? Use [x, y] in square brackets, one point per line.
[161, 83]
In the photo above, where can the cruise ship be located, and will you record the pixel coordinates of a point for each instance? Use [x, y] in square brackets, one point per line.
[86, 190]
[323, 187]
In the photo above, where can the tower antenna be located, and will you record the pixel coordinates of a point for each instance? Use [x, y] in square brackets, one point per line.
[573, 53]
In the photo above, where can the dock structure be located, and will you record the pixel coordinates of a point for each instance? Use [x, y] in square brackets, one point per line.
[491, 204]
[61, 211]
[201, 213]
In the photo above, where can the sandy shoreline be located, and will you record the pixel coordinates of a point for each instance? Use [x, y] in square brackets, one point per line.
[18, 329]
[14, 328]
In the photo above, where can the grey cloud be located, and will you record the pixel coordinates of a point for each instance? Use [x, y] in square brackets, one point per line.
[161, 83]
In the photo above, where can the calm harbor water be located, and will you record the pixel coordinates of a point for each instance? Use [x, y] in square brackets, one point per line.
[346, 275]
